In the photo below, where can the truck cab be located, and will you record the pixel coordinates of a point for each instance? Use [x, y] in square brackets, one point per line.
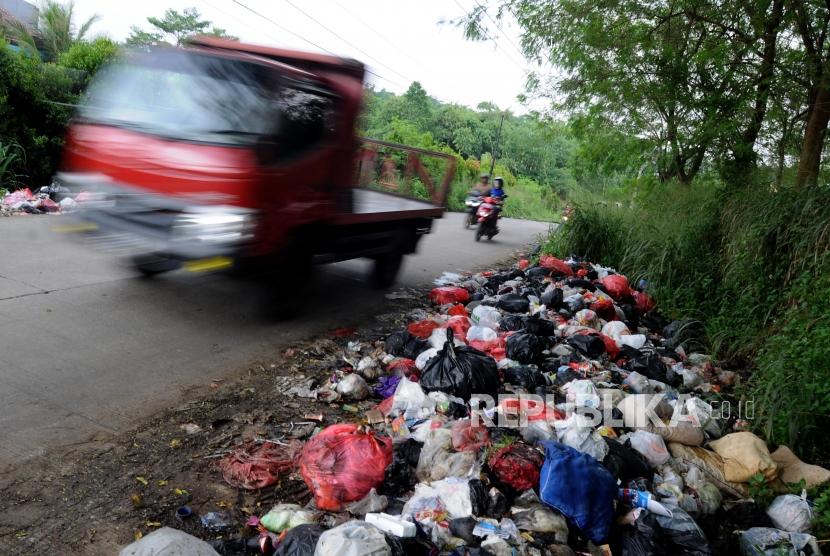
[238, 154]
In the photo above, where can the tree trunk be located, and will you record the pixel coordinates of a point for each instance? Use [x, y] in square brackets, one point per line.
[813, 143]
[744, 151]
[781, 153]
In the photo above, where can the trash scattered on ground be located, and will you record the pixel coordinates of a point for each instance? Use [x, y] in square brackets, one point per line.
[544, 409]
[49, 199]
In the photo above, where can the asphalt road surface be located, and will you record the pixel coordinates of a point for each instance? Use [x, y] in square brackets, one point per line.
[88, 348]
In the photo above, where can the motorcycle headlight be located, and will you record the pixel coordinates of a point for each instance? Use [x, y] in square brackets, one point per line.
[214, 227]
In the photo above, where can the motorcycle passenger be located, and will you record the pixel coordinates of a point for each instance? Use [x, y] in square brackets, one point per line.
[483, 185]
[498, 189]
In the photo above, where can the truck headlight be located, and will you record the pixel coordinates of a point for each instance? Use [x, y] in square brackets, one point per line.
[214, 227]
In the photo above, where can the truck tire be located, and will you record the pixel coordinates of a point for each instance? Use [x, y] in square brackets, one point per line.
[385, 269]
[151, 265]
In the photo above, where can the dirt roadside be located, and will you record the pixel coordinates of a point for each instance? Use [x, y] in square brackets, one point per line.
[95, 498]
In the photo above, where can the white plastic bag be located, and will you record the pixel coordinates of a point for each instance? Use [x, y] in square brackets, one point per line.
[424, 357]
[353, 538]
[410, 399]
[615, 329]
[486, 316]
[636, 341]
[353, 387]
[650, 445]
[791, 513]
[438, 338]
[581, 393]
[574, 432]
[168, 541]
[481, 334]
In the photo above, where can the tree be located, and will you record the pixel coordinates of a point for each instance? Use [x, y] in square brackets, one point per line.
[56, 31]
[692, 76]
[174, 28]
[89, 56]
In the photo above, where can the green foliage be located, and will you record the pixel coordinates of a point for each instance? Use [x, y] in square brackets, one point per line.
[173, 28]
[89, 56]
[56, 30]
[760, 491]
[752, 266]
[10, 154]
[821, 510]
[29, 116]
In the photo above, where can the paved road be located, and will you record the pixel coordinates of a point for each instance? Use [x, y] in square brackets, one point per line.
[87, 348]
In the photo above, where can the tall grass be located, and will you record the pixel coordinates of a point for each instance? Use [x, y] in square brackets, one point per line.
[752, 266]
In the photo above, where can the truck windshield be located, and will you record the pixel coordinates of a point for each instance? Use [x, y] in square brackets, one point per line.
[186, 96]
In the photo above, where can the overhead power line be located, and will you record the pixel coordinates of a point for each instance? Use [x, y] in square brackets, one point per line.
[312, 43]
[495, 41]
[393, 70]
[499, 27]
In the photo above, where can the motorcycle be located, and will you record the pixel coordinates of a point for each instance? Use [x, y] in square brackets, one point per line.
[472, 202]
[488, 215]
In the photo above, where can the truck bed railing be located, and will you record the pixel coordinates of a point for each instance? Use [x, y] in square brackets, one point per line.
[403, 170]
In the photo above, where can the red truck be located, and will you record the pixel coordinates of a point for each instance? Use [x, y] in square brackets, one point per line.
[227, 154]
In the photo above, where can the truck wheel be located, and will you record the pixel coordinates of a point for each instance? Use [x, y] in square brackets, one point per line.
[385, 270]
[151, 265]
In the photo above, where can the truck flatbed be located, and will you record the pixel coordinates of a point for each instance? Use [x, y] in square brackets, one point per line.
[369, 205]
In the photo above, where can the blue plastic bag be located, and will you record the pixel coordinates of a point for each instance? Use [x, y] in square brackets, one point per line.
[580, 488]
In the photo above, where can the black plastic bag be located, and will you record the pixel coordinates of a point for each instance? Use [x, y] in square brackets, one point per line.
[589, 345]
[644, 538]
[651, 365]
[552, 298]
[513, 303]
[539, 326]
[461, 371]
[409, 451]
[462, 528]
[524, 348]
[497, 505]
[579, 283]
[478, 497]
[537, 272]
[511, 323]
[300, 541]
[626, 463]
[404, 344]
[526, 376]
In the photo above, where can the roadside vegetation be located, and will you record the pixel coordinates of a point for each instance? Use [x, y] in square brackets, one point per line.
[714, 117]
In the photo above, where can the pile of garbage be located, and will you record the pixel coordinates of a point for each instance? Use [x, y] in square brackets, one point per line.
[545, 409]
[49, 199]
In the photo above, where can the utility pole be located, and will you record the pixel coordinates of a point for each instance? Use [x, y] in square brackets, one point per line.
[496, 146]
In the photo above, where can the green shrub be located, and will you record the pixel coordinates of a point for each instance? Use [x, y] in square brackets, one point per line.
[753, 266]
[30, 115]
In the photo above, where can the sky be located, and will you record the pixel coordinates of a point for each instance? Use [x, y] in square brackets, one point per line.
[400, 40]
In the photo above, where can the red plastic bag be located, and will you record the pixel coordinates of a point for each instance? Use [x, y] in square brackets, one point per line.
[616, 285]
[611, 347]
[523, 264]
[253, 466]
[457, 311]
[422, 328]
[557, 265]
[467, 438]
[533, 410]
[460, 326]
[643, 302]
[449, 294]
[604, 308]
[517, 466]
[405, 366]
[342, 464]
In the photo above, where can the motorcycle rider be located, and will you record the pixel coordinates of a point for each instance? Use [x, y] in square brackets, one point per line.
[483, 185]
[498, 189]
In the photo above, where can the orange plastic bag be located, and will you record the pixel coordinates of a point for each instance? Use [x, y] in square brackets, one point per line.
[422, 328]
[343, 463]
[557, 265]
[449, 294]
[616, 285]
[457, 311]
[253, 466]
